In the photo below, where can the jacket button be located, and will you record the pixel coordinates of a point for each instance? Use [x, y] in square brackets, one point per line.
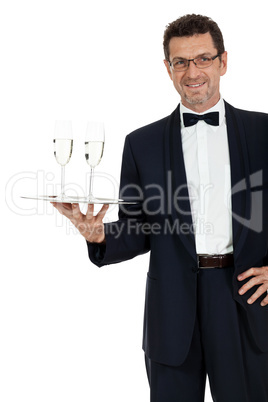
[195, 270]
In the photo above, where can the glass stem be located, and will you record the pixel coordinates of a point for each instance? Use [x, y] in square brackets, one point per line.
[91, 182]
[62, 180]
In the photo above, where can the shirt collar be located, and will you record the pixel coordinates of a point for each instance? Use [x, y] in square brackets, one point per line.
[219, 107]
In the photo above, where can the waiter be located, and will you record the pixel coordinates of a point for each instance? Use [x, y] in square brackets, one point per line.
[201, 178]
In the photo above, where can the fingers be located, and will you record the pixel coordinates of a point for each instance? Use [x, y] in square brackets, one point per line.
[264, 301]
[77, 214]
[261, 289]
[73, 211]
[90, 226]
[63, 208]
[100, 215]
[90, 211]
[60, 205]
[249, 284]
[93, 224]
[248, 273]
[259, 276]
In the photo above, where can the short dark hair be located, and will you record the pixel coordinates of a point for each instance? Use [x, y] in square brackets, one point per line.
[193, 24]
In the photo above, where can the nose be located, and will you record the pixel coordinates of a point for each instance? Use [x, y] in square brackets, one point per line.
[192, 71]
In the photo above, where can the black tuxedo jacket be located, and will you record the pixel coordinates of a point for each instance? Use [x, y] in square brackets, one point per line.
[153, 173]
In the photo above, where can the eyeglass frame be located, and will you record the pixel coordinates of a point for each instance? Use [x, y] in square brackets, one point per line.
[193, 60]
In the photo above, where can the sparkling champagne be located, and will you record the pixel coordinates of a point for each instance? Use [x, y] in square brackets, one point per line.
[94, 152]
[63, 150]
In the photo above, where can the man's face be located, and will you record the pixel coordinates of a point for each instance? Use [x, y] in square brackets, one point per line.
[199, 88]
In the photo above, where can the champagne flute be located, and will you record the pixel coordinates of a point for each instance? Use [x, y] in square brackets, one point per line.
[94, 146]
[63, 147]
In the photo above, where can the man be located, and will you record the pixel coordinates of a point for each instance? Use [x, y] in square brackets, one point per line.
[203, 176]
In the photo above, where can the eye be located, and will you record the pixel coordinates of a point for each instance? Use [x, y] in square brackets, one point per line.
[204, 59]
[179, 62]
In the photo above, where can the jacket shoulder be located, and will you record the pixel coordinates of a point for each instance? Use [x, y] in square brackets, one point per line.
[249, 115]
[148, 132]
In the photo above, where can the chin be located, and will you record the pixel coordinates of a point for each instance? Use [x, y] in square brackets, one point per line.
[197, 100]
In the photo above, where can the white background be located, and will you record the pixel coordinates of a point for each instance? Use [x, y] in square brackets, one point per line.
[68, 330]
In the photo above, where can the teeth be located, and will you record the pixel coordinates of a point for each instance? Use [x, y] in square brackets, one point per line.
[194, 86]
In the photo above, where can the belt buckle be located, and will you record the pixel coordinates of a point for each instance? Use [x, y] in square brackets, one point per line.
[199, 263]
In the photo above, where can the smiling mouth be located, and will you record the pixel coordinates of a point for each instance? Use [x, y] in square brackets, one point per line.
[195, 85]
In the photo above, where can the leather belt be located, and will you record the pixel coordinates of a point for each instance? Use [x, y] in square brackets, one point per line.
[216, 261]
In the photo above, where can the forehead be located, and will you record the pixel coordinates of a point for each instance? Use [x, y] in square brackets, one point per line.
[192, 46]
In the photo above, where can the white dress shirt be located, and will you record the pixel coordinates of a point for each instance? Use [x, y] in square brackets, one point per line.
[207, 164]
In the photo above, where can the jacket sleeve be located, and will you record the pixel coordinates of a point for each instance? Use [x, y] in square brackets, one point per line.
[125, 238]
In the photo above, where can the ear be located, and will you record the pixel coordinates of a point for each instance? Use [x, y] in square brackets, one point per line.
[168, 68]
[223, 66]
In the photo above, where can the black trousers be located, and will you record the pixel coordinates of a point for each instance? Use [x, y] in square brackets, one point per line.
[222, 348]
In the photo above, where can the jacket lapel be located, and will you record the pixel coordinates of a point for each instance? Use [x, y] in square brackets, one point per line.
[240, 179]
[177, 190]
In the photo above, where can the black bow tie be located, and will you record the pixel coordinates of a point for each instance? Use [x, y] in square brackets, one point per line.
[190, 119]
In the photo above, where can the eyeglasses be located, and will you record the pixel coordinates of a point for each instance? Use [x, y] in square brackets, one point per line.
[179, 64]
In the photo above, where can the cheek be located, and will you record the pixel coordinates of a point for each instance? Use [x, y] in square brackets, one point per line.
[214, 80]
[177, 81]
[178, 87]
